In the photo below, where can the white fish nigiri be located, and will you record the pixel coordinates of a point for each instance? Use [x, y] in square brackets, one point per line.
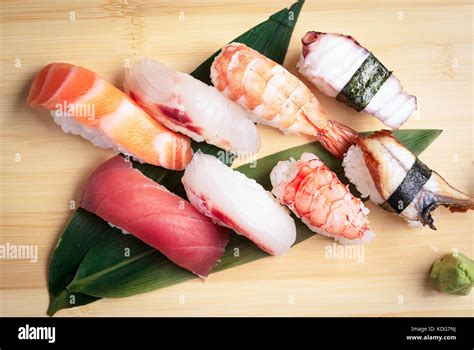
[233, 200]
[186, 105]
[340, 67]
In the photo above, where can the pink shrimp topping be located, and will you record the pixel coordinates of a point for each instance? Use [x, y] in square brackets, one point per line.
[276, 97]
[315, 194]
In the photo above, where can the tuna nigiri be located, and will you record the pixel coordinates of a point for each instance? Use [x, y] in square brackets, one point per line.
[84, 104]
[276, 97]
[187, 105]
[340, 67]
[233, 200]
[129, 200]
[384, 169]
[315, 194]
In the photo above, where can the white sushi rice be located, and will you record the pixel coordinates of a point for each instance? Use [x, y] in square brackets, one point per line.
[117, 227]
[96, 136]
[357, 172]
[211, 185]
[283, 173]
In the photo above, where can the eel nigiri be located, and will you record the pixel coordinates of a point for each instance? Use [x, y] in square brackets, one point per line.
[129, 200]
[382, 168]
[276, 97]
[83, 103]
[315, 194]
[186, 105]
[340, 67]
[233, 200]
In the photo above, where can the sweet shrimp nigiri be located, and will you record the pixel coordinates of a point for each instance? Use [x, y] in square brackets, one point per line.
[315, 194]
[340, 67]
[382, 168]
[83, 103]
[276, 97]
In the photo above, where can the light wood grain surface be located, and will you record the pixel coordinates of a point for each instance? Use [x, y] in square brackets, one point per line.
[427, 43]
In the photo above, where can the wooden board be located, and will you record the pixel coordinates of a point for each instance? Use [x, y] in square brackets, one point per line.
[427, 44]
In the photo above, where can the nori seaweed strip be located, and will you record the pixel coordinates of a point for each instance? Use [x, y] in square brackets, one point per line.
[410, 186]
[364, 84]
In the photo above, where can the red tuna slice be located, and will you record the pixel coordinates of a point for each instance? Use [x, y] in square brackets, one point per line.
[126, 198]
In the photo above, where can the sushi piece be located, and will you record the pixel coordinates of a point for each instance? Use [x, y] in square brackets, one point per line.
[129, 200]
[187, 105]
[384, 170]
[340, 67]
[233, 200]
[315, 194]
[83, 103]
[276, 97]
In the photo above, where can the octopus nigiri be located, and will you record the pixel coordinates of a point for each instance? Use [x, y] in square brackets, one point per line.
[186, 105]
[83, 103]
[315, 194]
[276, 97]
[129, 200]
[233, 200]
[387, 172]
[340, 67]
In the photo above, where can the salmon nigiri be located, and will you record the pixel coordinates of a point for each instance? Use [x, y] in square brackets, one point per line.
[83, 103]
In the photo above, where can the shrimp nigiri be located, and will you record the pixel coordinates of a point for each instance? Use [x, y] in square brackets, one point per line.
[186, 105]
[276, 97]
[382, 168]
[340, 67]
[84, 104]
[315, 194]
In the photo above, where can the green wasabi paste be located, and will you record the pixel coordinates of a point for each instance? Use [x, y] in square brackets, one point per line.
[453, 274]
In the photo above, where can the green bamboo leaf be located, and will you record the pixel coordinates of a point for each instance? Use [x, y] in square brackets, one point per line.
[142, 268]
[107, 272]
[271, 38]
[82, 232]
[85, 230]
[415, 140]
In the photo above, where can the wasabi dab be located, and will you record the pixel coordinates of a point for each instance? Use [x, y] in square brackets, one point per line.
[453, 274]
